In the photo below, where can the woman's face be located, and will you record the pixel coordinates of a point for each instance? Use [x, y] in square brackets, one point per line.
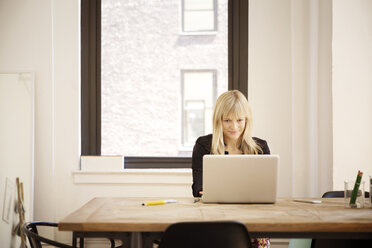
[233, 127]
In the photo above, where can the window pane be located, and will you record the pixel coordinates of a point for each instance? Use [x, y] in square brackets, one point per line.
[194, 121]
[143, 57]
[199, 21]
[199, 4]
[199, 94]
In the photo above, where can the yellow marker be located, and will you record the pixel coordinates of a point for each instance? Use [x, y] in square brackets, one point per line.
[161, 202]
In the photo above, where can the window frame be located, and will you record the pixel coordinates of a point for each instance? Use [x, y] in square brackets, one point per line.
[198, 32]
[91, 78]
[214, 96]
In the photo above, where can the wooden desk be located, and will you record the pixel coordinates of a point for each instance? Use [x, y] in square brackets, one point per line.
[284, 219]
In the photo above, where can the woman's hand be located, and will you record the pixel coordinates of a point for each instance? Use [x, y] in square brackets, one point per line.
[201, 193]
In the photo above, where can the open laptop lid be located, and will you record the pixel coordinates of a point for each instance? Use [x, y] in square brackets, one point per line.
[240, 178]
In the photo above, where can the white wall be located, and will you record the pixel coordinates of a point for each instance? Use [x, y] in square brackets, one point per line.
[26, 45]
[290, 92]
[352, 89]
[269, 88]
[16, 151]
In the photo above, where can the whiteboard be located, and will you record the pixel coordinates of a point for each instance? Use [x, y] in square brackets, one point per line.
[16, 150]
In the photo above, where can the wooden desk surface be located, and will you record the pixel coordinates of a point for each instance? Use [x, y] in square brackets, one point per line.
[127, 215]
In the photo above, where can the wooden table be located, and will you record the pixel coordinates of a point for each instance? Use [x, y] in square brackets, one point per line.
[119, 217]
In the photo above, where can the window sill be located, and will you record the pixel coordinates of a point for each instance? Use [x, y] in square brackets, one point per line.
[198, 33]
[134, 176]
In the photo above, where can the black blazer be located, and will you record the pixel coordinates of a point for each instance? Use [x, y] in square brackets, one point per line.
[203, 146]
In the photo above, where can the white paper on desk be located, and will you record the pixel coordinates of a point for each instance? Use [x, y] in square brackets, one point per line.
[308, 201]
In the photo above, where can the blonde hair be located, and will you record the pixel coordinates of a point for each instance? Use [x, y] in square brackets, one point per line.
[233, 103]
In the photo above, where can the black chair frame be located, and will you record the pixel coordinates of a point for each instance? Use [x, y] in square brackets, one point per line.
[339, 194]
[30, 230]
[341, 243]
[217, 234]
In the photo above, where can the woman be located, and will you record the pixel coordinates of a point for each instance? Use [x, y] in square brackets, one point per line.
[232, 126]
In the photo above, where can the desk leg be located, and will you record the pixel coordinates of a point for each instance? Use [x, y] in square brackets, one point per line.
[148, 238]
[74, 240]
[75, 237]
[136, 240]
[81, 242]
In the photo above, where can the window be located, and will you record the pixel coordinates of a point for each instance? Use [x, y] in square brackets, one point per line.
[199, 95]
[141, 102]
[194, 121]
[196, 111]
[199, 15]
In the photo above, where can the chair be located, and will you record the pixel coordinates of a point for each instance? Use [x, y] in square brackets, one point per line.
[31, 231]
[339, 194]
[340, 243]
[217, 234]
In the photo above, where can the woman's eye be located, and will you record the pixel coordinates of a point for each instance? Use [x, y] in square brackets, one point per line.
[240, 120]
[226, 120]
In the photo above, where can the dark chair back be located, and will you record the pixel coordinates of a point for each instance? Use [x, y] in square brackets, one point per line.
[339, 194]
[31, 231]
[220, 234]
[340, 243]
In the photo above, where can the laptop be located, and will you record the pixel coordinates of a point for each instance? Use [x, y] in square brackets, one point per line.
[240, 178]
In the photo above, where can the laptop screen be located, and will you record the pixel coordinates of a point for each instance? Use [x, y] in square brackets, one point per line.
[240, 178]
